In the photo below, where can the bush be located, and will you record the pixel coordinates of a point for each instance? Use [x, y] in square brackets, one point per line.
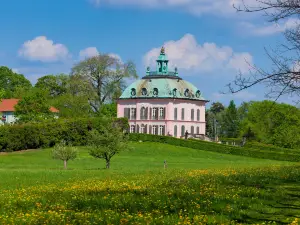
[47, 134]
[220, 148]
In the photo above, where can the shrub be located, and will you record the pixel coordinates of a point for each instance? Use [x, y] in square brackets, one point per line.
[63, 152]
[47, 134]
[220, 148]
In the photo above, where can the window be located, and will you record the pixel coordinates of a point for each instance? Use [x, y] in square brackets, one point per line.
[198, 114]
[143, 113]
[144, 91]
[175, 131]
[192, 114]
[133, 92]
[182, 130]
[192, 129]
[142, 131]
[175, 114]
[198, 131]
[155, 91]
[133, 113]
[161, 130]
[155, 113]
[132, 129]
[127, 113]
[182, 114]
[155, 130]
[161, 113]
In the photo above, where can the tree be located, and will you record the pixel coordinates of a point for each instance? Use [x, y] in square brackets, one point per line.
[108, 143]
[34, 107]
[109, 110]
[63, 152]
[104, 74]
[10, 81]
[230, 123]
[284, 77]
[217, 107]
[55, 84]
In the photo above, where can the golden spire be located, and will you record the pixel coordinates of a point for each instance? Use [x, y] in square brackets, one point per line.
[162, 51]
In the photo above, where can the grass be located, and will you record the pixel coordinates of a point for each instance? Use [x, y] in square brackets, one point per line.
[198, 187]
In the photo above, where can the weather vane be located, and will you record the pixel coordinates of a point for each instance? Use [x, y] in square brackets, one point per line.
[162, 51]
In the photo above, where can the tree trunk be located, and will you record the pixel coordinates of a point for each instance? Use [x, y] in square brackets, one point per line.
[107, 164]
[65, 164]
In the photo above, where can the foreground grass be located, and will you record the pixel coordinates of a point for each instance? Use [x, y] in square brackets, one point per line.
[198, 187]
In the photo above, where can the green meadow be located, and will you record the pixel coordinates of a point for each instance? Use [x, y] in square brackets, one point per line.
[197, 187]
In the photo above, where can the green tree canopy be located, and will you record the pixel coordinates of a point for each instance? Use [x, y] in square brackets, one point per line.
[10, 82]
[230, 121]
[56, 84]
[34, 107]
[105, 75]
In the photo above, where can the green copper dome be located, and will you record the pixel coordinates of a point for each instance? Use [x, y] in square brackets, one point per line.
[162, 84]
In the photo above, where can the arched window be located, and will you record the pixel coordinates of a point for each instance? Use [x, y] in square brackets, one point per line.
[192, 129]
[198, 114]
[175, 131]
[161, 130]
[192, 114]
[175, 114]
[182, 114]
[132, 129]
[161, 113]
[142, 131]
[198, 131]
[182, 130]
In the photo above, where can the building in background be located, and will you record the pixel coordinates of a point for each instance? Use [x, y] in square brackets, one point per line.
[7, 109]
[162, 103]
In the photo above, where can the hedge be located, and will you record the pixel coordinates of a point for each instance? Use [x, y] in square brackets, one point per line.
[269, 147]
[47, 134]
[214, 147]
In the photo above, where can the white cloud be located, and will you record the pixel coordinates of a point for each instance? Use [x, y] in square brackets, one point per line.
[196, 7]
[267, 30]
[188, 55]
[243, 96]
[88, 52]
[93, 51]
[42, 49]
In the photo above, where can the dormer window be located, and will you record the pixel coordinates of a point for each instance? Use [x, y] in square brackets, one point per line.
[198, 94]
[133, 92]
[144, 91]
[155, 91]
[174, 92]
[186, 92]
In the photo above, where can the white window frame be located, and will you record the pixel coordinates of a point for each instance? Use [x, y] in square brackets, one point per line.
[132, 128]
[142, 129]
[133, 113]
[161, 129]
[154, 112]
[161, 112]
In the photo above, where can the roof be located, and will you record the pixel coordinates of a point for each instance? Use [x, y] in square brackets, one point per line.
[162, 83]
[166, 88]
[8, 105]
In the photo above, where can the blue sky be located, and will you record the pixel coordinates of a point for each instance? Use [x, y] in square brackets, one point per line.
[207, 40]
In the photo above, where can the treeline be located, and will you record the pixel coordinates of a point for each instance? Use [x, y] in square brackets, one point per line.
[91, 89]
[267, 122]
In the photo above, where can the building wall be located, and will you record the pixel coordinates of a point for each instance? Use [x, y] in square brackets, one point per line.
[10, 118]
[169, 121]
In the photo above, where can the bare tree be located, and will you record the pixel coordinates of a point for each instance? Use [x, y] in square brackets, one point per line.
[105, 75]
[284, 76]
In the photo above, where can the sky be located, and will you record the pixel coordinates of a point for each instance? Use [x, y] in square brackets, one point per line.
[207, 40]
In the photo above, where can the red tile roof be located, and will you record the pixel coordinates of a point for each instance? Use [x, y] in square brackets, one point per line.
[8, 105]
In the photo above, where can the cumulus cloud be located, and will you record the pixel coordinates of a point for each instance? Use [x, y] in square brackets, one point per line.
[267, 30]
[43, 49]
[189, 55]
[88, 52]
[93, 51]
[196, 7]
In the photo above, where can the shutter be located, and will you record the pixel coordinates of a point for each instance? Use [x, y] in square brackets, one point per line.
[150, 114]
[137, 129]
[141, 113]
[164, 131]
[156, 130]
[150, 129]
[145, 130]
[134, 114]
[157, 112]
[128, 113]
[165, 113]
[146, 113]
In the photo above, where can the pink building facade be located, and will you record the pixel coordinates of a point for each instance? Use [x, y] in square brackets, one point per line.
[162, 103]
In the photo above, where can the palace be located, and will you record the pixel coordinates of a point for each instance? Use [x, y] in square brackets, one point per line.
[162, 103]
